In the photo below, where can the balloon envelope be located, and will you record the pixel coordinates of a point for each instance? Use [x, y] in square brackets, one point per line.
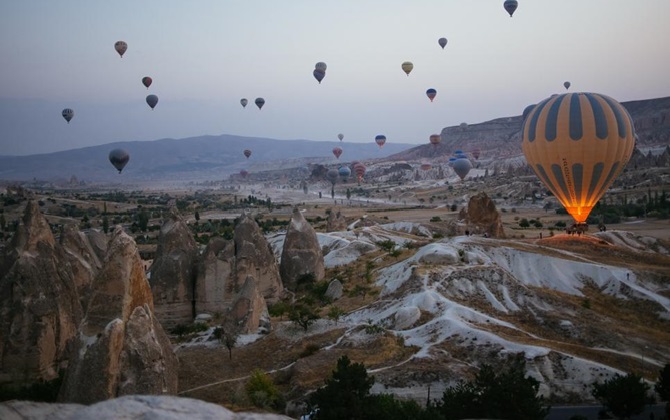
[577, 144]
[244, 173]
[67, 113]
[247, 153]
[332, 175]
[244, 102]
[442, 42]
[340, 136]
[566, 85]
[119, 158]
[120, 47]
[260, 102]
[407, 67]
[319, 74]
[359, 170]
[462, 166]
[321, 66]
[152, 100]
[435, 139]
[510, 6]
[431, 94]
[146, 81]
[337, 151]
[344, 172]
[476, 152]
[380, 140]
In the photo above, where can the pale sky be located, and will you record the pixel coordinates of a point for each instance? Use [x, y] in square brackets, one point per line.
[205, 55]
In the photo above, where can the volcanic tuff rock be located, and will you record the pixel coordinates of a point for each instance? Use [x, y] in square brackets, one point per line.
[173, 272]
[215, 285]
[82, 258]
[250, 312]
[301, 253]
[335, 222]
[254, 257]
[128, 407]
[39, 306]
[122, 348]
[481, 217]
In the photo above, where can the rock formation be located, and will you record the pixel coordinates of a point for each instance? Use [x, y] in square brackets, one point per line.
[215, 285]
[39, 305]
[301, 253]
[335, 289]
[173, 272]
[254, 257]
[335, 222]
[82, 258]
[481, 217]
[122, 348]
[250, 312]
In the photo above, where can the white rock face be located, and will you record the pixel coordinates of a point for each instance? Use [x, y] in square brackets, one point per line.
[130, 407]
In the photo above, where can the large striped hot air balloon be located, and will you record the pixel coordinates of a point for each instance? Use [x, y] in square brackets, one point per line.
[577, 144]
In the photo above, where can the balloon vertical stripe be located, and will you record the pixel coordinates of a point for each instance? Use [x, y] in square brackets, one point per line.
[576, 125]
[597, 173]
[599, 116]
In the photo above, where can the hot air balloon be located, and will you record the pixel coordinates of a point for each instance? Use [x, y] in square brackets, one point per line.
[337, 151]
[340, 136]
[431, 94]
[146, 81]
[321, 66]
[407, 67]
[319, 75]
[463, 125]
[451, 161]
[426, 166]
[566, 84]
[332, 175]
[476, 152]
[577, 144]
[526, 111]
[152, 100]
[344, 172]
[510, 6]
[244, 173]
[260, 102]
[462, 166]
[435, 139]
[359, 170]
[67, 113]
[119, 158]
[244, 102]
[380, 140]
[442, 42]
[247, 153]
[120, 47]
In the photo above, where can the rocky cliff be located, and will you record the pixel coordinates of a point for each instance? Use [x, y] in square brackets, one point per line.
[39, 304]
[121, 347]
[301, 253]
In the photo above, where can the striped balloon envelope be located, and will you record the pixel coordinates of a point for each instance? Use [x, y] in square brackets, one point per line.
[577, 144]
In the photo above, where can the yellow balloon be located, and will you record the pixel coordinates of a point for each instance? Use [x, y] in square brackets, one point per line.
[577, 144]
[407, 67]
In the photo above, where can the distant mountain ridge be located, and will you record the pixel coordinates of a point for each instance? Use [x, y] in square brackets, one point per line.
[203, 157]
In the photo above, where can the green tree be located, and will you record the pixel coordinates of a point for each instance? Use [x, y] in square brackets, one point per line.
[335, 313]
[227, 334]
[197, 216]
[3, 222]
[496, 393]
[524, 223]
[262, 391]
[624, 396]
[143, 220]
[105, 224]
[303, 316]
[662, 387]
[345, 393]
[348, 194]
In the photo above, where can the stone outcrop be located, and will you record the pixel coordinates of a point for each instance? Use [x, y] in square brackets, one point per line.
[215, 284]
[83, 260]
[254, 257]
[301, 253]
[128, 407]
[39, 305]
[121, 347]
[250, 312]
[173, 272]
[481, 217]
[335, 222]
[335, 289]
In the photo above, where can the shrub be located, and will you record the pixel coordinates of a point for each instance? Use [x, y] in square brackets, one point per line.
[262, 391]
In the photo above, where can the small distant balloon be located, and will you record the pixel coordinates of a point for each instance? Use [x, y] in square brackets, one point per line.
[244, 102]
[380, 140]
[340, 136]
[442, 42]
[463, 125]
[332, 175]
[337, 151]
[462, 166]
[67, 113]
[344, 172]
[426, 166]
[435, 139]
[321, 66]
[319, 75]
[146, 81]
[566, 85]
[510, 6]
[476, 152]
[260, 102]
[359, 170]
[119, 158]
[247, 153]
[120, 47]
[431, 93]
[407, 67]
[244, 173]
[152, 100]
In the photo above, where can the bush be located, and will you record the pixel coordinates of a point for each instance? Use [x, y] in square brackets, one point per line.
[436, 219]
[262, 391]
[624, 396]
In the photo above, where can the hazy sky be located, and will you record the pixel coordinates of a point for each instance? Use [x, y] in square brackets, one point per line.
[204, 55]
